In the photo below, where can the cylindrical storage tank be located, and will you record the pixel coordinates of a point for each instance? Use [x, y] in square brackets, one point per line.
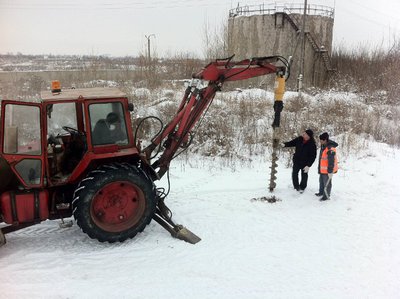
[265, 30]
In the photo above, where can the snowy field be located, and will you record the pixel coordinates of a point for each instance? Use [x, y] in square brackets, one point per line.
[298, 247]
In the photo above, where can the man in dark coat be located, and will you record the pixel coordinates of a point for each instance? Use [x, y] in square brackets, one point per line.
[304, 156]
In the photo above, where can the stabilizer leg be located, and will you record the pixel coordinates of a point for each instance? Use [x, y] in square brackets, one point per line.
[163, 217]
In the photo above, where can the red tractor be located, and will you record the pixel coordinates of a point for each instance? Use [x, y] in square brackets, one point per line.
[75, 153]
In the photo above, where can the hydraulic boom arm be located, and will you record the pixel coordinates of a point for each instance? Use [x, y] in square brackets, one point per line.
[198, 97]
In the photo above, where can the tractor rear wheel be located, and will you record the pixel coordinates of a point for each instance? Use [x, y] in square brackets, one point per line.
[114, 202]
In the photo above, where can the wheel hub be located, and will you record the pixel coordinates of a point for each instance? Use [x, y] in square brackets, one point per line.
[117, 206]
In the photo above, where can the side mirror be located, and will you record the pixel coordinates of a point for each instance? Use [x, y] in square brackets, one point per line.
[130, 107]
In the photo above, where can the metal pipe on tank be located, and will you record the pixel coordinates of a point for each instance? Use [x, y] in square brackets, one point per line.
[302, 51]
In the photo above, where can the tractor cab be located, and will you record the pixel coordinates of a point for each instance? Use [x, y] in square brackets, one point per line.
[56, 140]
[73, 153]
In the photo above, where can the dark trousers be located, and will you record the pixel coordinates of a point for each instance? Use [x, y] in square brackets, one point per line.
[323, 179]
[295, 178]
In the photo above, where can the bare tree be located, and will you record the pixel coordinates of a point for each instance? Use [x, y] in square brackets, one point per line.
[215, 41]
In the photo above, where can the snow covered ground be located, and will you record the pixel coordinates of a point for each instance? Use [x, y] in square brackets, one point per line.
[298, 247]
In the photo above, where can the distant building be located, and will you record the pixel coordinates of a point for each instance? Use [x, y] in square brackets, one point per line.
[270, 29]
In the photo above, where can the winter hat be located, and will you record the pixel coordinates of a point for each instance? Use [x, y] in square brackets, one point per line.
[324, 136]
[310, 133]
[112, 118]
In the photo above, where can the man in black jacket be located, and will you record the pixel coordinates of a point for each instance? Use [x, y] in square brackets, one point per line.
[304, 156]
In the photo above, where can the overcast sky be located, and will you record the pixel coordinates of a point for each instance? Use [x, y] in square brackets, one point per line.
[118, 27]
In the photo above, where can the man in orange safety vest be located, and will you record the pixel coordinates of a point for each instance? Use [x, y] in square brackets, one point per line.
[327, 165]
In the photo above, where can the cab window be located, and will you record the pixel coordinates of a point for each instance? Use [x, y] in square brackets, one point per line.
[22, 130]
[108, 125]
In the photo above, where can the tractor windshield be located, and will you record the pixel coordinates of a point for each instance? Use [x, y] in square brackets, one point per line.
[60, 115]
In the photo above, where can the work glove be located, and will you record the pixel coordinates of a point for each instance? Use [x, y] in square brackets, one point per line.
[306, 169]
[330, 175]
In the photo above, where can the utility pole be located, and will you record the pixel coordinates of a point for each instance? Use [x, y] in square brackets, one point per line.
[148, 46]
[302, 52]
[150, 70]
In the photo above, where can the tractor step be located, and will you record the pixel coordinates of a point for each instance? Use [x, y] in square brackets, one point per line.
[65, 224]
[2, 238]
[177, 231]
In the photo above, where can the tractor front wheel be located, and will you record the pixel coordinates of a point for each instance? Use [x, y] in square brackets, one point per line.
[114, 202]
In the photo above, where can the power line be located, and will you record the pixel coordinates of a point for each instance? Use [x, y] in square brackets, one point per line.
[375, 10]
[109, 6]
[352, 13]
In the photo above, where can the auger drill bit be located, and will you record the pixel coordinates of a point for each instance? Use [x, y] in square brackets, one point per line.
[276, 135]
[274, 164]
